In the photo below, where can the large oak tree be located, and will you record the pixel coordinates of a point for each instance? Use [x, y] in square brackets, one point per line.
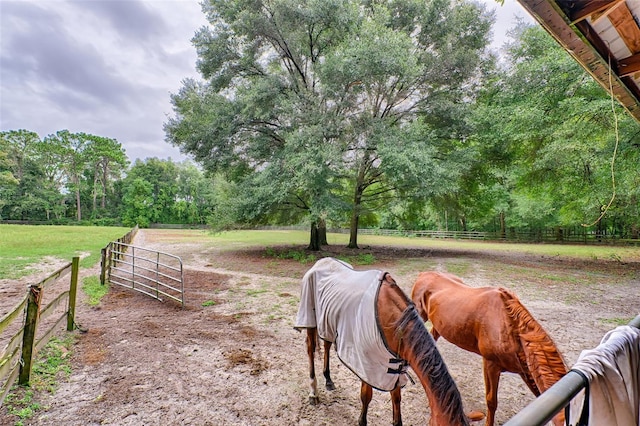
[331, 105]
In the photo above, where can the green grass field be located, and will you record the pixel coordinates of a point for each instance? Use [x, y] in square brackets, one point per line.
[23, 246]
[250, 238]
[232, 240]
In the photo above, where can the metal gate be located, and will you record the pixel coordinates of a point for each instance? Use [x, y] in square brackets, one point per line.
[154, 273]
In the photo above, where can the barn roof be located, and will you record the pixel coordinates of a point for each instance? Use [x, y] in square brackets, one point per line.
[600, 35]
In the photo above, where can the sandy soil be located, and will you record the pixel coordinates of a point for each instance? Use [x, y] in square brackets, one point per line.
[231, 356]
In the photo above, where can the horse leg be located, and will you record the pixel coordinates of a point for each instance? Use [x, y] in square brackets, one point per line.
[434, 334]
[396, 397]
[312, 335]
[366, 393]
[491, 379]
[327, 375]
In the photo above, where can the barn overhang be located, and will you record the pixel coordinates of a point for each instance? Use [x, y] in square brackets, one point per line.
[603, 36]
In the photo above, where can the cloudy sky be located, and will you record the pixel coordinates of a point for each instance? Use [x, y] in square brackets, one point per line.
[107, 67]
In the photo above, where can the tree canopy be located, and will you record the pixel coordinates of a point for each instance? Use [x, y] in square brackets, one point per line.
[555, 141]
[331, 106]
[355, 114]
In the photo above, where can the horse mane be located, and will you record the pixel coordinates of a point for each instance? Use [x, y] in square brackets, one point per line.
[546, 365]
[413, 334]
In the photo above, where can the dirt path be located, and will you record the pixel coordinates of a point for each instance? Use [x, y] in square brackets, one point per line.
[231, 357]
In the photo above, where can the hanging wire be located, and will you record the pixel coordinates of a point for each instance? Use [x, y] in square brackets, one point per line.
[615, 151]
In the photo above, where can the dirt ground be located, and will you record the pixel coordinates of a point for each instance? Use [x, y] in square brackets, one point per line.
[232, 357]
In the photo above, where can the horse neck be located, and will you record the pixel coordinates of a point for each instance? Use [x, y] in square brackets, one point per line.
[407, 336]
[542, 357]
[420, 351]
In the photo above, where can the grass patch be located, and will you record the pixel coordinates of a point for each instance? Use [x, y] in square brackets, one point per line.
[231, 240]
[360, 259]
[20, 403]
[458, 268]
[23, 246]
[415, 265]
[305, 258]
[94, 290]
[297, 255]
[616, 321]
[364, 259]
[208, 303]
[256, 292]
[52, 365]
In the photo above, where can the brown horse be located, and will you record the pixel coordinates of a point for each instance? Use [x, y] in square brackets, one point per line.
[327, 287]
[493, 323]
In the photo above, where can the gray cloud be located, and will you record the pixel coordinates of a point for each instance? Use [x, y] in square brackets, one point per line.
[104, 67]
[39, 50]
[132, 19]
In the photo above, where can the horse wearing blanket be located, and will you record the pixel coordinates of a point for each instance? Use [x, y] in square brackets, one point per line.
[377, 332]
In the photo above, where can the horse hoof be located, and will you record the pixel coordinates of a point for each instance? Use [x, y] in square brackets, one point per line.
[330, 386]
[474, 416]
[314, 400]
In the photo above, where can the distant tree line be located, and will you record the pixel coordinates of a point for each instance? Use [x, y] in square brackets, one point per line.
[81, 178]
[356, 114]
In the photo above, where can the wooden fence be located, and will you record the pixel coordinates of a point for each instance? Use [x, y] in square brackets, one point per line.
[30, 325]
[35, 327]
[554, 236]
[106, 258]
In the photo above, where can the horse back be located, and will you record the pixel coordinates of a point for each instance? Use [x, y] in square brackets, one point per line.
[466, 316]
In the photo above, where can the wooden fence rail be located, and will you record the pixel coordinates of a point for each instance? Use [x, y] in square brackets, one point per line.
[542, 236]
[107, 258]
[17, 356]
[555, 236]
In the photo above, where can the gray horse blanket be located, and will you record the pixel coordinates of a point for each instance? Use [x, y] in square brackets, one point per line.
[341, 303]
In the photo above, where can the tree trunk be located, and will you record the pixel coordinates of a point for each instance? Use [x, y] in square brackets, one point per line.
[503, 227]
[353, 230]
[314, 240]
[635, 228]
[78, 211]
[94, 195]
[322, 232]
[105, 174]
[355, 214]
[76, 181]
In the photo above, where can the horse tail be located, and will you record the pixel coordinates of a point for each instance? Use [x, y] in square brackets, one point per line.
[541, 356]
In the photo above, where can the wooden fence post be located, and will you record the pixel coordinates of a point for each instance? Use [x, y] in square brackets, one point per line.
[29, 337]
[71, 313]
[103, 265]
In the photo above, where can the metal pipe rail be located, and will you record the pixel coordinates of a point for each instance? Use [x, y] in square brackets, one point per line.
[558, 396]
[141, 270]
